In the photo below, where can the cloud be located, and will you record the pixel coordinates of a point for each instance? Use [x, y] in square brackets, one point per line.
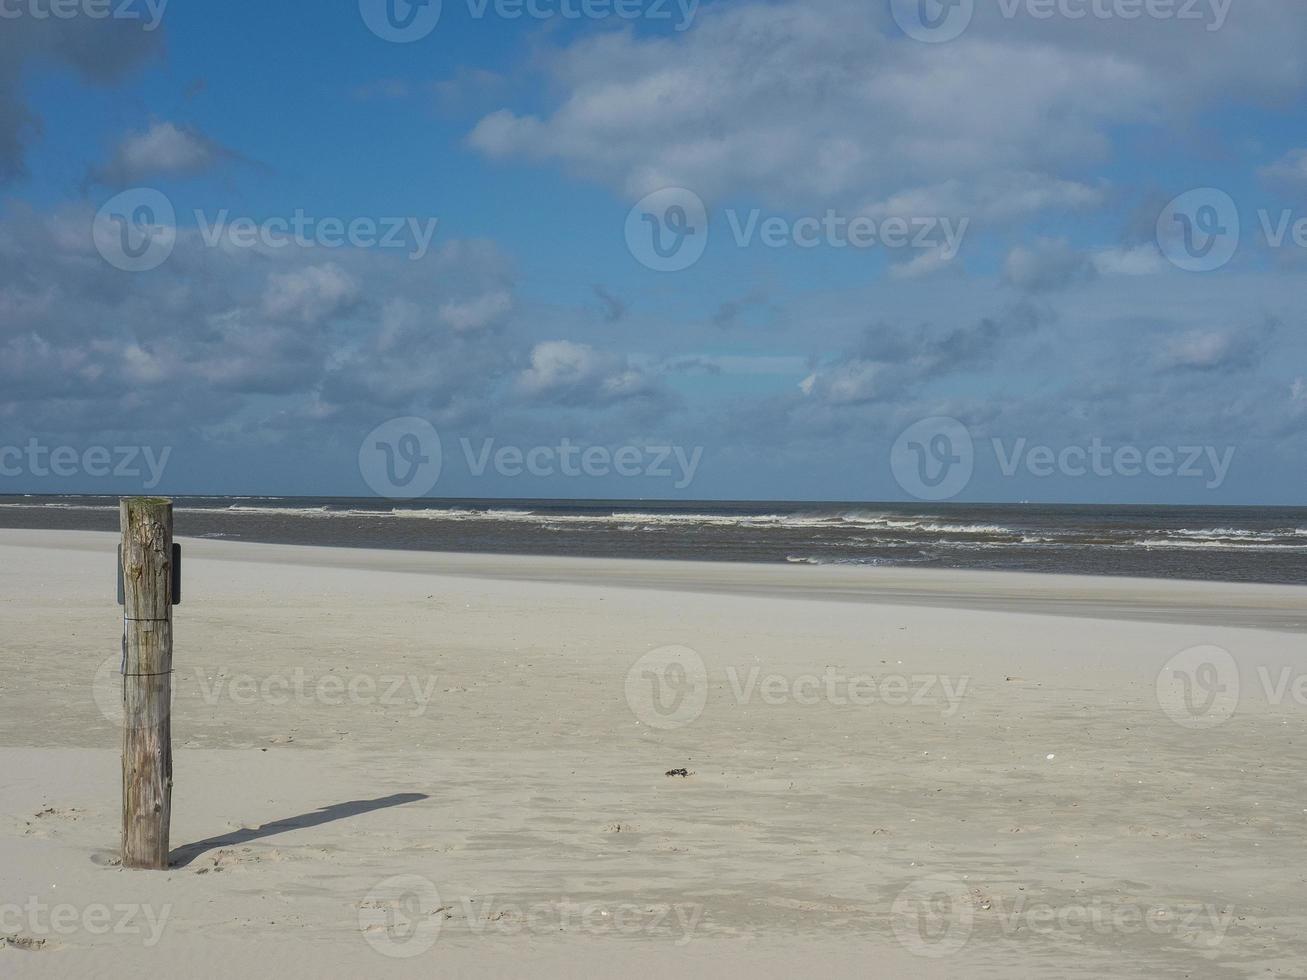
[84, 346]
[1214, 350]
[825, 101]
[613, 308]
[1289, 171]
[888, 361]
[990, 198]
[1047, 266]
[576, 374]
[163, 150]
[928, 263]
[310, 294]
[477, 313]
[470, 90]
[1140, 260]
[100, 51]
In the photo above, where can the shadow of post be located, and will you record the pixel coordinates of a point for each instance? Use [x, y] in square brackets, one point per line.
[182, 856]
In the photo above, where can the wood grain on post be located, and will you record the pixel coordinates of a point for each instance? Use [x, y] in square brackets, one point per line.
[147, 680]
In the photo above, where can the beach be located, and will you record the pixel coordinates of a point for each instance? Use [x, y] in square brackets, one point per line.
[407, 763]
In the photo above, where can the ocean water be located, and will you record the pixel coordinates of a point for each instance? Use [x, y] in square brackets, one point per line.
[1236, 544]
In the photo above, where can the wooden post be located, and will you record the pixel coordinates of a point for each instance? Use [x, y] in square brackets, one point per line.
[147, 558]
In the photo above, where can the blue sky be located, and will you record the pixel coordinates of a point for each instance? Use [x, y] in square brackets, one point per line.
[1050, 146]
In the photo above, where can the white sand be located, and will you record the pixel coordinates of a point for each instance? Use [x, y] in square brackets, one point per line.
[1075, 829]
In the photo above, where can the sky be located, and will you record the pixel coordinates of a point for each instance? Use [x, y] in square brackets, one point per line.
[1020, 250]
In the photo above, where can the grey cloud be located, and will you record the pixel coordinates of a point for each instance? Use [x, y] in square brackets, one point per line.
[163, 150]
[821, 101]
[613, 307]
[102, 52]
[1217, 350]
[1047, 266]
[888, 361]
[568, 373]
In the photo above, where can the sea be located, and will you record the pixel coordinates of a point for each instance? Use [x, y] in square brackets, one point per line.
[1232, 544]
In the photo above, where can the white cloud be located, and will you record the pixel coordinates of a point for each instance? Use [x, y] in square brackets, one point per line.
[1048, 265]
[997, 197]
[100, 51]
[850, 383]
[927, 263]
[309, 294]
[477, 313]
[1290, 169]
[1140, 260]
[822, 101]
[573, 373]
[163, 150]
[1212, 349]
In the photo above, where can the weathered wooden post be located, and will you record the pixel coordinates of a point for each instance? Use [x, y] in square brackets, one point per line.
[147, 594]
